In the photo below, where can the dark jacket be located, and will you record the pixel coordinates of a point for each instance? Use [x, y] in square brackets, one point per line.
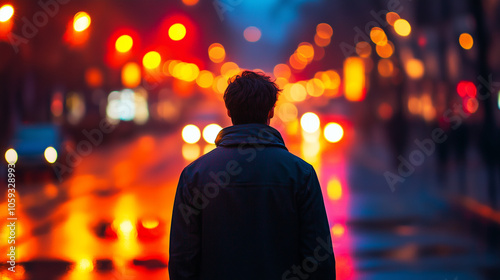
[249, 209]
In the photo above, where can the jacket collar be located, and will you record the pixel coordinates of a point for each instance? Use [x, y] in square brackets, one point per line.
[249, 134]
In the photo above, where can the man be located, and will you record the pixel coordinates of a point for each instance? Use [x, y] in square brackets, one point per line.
[249, 209]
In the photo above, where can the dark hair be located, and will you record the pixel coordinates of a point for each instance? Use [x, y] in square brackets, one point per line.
[249, 97]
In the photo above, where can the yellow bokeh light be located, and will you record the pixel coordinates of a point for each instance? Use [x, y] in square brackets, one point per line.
[354, 77]
[466, 41]
[324, 31]
[177, 31]
[50, 154]
[220, 84]
[252, 34]
[190, 151]
[209, 148]
[378, 36]
[151, 60]
[385, 67]
[298, 92]
[287, 112]
[210, 132]
[186, 71]
[191, 134]
[391, 17]
[11, 156]
[281, 82]
[6, 12]
[282, 70]
[310, 122]
[338, 230]
[315, 87]
[81, 21]
[415, 68]
[363, 49]
[150, 223]
[229, 69]
[131, 75]
[124, 43]
[330, 79]
[402, 27]
[205, 79]
[216, 52]
[85, 265]
[334, 189]
[385, 51]
[333, 132]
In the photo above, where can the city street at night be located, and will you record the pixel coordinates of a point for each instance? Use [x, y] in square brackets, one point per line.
[395, 104]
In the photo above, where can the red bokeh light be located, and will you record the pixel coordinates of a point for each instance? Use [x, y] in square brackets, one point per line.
[466, 88]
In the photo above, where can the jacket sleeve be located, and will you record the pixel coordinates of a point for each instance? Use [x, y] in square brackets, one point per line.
[185, 236]
[315, 240]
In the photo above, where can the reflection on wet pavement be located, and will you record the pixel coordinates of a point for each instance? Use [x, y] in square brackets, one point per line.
[111, 218]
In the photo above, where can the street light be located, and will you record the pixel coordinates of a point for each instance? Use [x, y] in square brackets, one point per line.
[6, 12]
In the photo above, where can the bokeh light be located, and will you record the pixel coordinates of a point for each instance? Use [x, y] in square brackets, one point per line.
[415, 68]
[124, 43]
[50, 154]
[205, 79]
[229, 69]
[466, 88]
[386, 50]
[298, 92]
[81, 21]
[338, 230]
[334, 189]
[190, 2]
[191, 134]
[315, 87]
[324, 31]
[190, 151]
[287, 112]
[321, 42]
[151, 60]
[131, 75]
[466, 41]
[333, 132]
[402, 27]
[282, 70]
[306, 51]
[378, 36]
[298, 62]
[385, 67]
[11, 156]
[252, 34]
[6, 12]
[310, 122]
[93, 77]
[471, 105]
[85, 265]
[354, 77]
[391, 17]
[216, 53]
[210, 132]
[385, 111]
[177, 31]
[363, 49]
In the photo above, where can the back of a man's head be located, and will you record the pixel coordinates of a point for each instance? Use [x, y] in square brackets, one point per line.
[249, 97]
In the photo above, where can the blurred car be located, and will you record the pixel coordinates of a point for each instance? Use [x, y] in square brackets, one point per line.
[34, 148]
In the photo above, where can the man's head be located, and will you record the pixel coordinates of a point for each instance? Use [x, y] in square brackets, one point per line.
[250, 98]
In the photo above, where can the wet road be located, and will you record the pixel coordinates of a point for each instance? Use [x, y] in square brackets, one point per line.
[110, 219]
